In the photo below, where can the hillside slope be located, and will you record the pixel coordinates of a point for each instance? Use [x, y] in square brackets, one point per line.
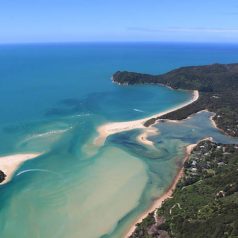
[217, 85]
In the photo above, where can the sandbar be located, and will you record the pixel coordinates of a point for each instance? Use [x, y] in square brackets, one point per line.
[116, 127]
[9, 164]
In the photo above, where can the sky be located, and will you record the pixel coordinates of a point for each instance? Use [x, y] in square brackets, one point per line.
[23, 21]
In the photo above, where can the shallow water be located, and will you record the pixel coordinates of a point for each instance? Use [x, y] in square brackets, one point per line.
[52, 99]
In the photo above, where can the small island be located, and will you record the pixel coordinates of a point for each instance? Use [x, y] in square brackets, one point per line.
[217, 85]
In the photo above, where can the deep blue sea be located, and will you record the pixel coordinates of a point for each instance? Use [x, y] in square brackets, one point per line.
[53, 97]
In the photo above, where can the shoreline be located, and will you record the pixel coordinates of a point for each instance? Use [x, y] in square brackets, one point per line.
[116, 127]
[10, 163]
[157, 203]
[215, 125]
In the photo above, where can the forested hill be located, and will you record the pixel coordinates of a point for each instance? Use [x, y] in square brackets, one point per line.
[205, 201]
[208, 78]
[217, 85]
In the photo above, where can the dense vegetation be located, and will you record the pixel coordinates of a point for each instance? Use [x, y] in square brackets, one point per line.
[2, 176]
[205, 202]
[217, 85]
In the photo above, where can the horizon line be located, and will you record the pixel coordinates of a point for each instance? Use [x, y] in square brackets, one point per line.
[117, 42]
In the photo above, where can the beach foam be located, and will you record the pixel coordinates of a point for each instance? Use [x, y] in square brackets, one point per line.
[137, 110]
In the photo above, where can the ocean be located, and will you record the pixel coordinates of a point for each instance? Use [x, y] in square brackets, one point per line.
[53, 97]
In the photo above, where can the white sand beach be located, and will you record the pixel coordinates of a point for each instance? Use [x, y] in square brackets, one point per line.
[112, 128]
[9, 164]
[143, 137]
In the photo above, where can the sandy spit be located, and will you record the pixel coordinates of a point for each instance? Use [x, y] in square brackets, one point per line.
[116, 127]
[9, 164]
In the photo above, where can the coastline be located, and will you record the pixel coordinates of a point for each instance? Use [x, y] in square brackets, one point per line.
[116, 127]
[9, 164]
[112, 128]
[167, 194]
[215, 126]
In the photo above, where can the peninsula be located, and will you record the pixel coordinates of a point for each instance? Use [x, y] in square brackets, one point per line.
[9, 164]
[217, 86]
[187, 211]
[116, 127]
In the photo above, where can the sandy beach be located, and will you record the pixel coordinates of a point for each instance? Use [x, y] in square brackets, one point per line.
[9, 164]
[112, 128]
[215, 125]
[168, 193]
[143, 137]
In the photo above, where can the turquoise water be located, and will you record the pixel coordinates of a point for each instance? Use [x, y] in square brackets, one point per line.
[52, 99]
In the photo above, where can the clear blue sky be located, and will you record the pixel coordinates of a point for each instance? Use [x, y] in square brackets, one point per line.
[118, 20]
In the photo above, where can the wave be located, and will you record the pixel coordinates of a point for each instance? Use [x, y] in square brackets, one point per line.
[83, 115]
[138, 110]
[38, 170]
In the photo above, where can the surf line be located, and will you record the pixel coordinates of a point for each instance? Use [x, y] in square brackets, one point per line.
[138, 110]
[38, 170]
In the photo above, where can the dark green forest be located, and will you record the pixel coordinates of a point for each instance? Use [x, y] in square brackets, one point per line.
[217, 85]
[205, 202]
